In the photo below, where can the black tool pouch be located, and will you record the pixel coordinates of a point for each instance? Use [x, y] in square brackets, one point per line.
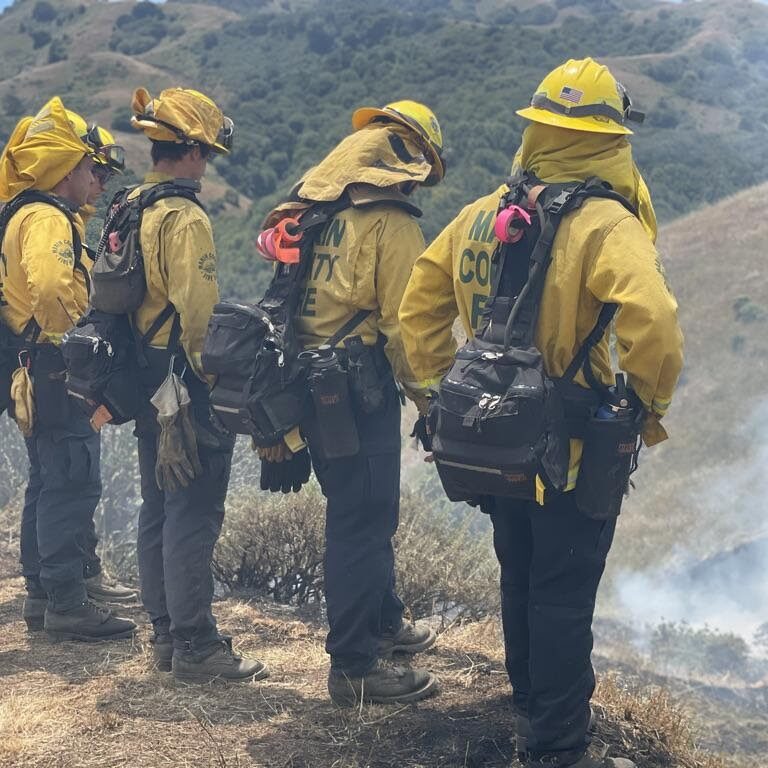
[101, 365]
[609, 457]
[366, 383]
[333, 429]
[50, 387]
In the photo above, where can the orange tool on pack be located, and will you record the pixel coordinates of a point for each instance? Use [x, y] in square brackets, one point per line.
[285, 238]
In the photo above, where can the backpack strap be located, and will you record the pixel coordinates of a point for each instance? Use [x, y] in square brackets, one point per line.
[582, 359]
[287, 279]
[142, 340]
[185, 188]
[554, 202]
[348, 327]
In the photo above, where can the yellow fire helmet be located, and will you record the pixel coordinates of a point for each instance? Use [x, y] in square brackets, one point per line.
[183, 116]
[582, 95]
[420, 119]
[41, 151]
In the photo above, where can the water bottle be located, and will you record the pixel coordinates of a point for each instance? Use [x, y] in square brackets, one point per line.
[334, 431]
[609, 454]
[617, 402]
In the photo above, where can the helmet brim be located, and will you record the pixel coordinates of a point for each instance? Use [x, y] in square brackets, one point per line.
[586, 124]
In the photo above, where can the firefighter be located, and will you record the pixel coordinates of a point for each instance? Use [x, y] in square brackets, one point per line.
[552, 554]
[45, 177]
[361, 262]
[181, 515]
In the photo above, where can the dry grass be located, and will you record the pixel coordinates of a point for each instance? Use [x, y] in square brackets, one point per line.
[73, 706]
[648, 722]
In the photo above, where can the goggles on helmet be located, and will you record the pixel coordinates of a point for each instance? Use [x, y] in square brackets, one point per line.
[226, 133]
[542, 101]
[112, 155]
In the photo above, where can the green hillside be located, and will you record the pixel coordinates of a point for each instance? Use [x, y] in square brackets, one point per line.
[291, 71]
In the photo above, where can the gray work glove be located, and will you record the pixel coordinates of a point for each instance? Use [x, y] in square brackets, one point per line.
[177, 459]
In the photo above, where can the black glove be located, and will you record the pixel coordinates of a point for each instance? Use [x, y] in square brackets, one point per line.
[421, 433]
[287, 475]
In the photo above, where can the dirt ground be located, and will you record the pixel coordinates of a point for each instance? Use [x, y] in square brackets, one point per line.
[72, 705]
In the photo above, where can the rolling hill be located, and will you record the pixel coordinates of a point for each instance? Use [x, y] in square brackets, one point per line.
[291, 71]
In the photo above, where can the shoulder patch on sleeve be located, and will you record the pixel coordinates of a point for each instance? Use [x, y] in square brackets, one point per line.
[207, 266]
[64, 252]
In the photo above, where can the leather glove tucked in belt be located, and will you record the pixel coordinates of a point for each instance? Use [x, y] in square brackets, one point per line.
[23, 401]
[178, 462]
[286, 473]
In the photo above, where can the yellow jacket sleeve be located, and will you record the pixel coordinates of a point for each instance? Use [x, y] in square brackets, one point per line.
[57, 292]
[649, 342]
[398, 250]
[428, 311]
[188, 263]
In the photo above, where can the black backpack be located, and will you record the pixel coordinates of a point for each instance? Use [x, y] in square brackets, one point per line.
[499, 420]
[11, 345]
[103, 352]
[253, 351]
[119, 283]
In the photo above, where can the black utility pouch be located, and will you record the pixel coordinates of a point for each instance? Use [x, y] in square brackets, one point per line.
[609, 456]
[365, 382]
[334, 430]
[50, 387]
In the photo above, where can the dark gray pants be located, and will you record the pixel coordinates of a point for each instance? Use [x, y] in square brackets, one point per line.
[177, 534]
[363, 493]
[57, 533]
[552, 559]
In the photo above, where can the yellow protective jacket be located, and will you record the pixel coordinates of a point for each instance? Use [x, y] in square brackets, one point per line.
[363, 260]
[601, 254]
[38, 274]
[180, 267]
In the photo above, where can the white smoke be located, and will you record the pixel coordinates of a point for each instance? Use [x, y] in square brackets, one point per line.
[727, 592]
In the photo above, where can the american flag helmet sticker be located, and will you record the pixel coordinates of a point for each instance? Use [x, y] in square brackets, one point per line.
[571, 94]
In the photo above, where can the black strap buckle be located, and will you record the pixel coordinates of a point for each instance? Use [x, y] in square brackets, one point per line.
[556, 205]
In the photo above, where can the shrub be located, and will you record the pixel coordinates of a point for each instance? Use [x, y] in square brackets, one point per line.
[210, 40]
[43, 12]
[273, 546]
[57, 51]
[748, 311]
[121, 119]
[40, 38]
[681, 648]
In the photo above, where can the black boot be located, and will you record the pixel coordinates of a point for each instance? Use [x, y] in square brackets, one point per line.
[87, 623]
[33, 611]
[219, 662]
[162, 651]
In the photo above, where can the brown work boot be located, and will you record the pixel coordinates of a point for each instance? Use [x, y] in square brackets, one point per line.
[162, 652]
[219, 662]
[33, 612]
[88, 623]
[108, 591]
[382, 685]
[408, 639]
